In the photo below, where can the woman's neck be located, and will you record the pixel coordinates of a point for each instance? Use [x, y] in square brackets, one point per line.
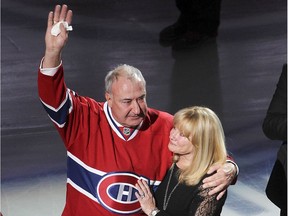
[184, 161]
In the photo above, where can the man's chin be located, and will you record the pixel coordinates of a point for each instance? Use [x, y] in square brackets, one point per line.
[135, 122]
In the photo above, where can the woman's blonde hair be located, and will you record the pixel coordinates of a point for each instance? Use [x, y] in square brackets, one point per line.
[204, 130]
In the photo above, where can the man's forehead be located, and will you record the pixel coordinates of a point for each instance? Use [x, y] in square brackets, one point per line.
[125, 83]
[125, 77]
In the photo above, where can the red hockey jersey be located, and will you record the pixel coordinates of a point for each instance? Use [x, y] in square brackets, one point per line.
[103, 161]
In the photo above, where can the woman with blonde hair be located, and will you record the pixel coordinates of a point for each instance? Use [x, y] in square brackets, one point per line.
[197, 142]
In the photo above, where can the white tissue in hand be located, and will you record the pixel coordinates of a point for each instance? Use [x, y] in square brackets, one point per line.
[56, 28]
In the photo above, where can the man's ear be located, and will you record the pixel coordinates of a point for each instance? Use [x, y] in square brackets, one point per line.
[108, 99]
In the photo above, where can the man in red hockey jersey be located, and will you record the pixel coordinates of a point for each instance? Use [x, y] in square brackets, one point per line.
[112, 144]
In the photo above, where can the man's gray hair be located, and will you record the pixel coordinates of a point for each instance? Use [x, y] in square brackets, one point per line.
[123, 70]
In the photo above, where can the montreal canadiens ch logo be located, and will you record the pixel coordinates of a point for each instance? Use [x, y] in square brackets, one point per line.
[116, 192]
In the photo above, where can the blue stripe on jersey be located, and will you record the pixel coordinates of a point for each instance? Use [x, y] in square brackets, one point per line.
[60, 115]
[82, 177]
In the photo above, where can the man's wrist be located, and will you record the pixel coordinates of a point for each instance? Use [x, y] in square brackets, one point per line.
[233, 167]
[48, 71]
[51, 59]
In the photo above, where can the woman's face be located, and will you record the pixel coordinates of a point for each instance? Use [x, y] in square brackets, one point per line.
[179, 144]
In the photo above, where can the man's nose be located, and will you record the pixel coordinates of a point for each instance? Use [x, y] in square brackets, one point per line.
[135, 107]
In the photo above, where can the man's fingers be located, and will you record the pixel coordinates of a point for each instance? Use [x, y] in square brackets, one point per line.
[217, 178]
[212, 182]
[214, 168]
[50, 19]
[218, 189]
[207, 180]
[63, 13]
[220, 195]
[218, 181]
[69, 17]
[56, 13]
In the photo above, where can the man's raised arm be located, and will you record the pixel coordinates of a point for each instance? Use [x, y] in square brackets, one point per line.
[55, 44]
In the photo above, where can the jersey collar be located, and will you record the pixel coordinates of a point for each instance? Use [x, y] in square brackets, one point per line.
[116, 125]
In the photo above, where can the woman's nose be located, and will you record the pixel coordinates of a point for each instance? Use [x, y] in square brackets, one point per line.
[173, 134]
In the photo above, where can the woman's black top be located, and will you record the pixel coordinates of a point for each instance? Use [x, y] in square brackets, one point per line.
[187, 200]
